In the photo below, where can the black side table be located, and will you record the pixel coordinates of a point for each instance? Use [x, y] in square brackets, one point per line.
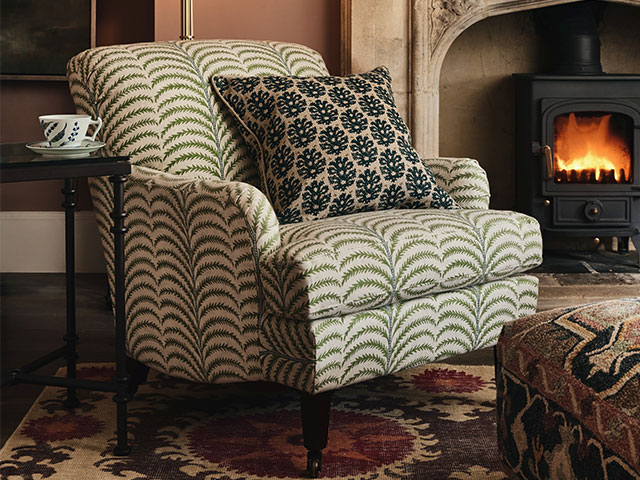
[17, 164]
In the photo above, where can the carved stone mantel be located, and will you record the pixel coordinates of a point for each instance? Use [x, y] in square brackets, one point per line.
[412, 38]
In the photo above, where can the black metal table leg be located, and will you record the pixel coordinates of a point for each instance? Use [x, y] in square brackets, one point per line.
[121, 378]
[17, 166]
[70, 338]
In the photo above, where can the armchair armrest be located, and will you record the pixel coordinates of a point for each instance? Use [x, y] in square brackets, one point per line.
[193, 291]
[212, 203]
[462, 178]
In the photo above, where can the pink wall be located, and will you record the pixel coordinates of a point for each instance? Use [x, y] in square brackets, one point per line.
[315, 23]
[21, 102]
[20, 105]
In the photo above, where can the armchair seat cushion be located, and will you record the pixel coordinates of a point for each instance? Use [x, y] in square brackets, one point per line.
[357, 262]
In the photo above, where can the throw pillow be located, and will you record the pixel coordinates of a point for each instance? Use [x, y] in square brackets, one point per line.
[330, 146]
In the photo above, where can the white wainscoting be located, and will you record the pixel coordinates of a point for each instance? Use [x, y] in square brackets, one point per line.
[33, 242]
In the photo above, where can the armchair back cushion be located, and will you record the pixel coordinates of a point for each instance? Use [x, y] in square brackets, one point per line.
[156, 102]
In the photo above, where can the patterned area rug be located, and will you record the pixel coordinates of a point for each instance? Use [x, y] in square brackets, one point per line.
[432, 422]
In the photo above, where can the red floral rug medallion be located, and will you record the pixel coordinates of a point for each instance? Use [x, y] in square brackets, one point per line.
[422, 423]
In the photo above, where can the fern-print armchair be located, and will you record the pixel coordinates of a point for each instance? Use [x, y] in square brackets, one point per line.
[218, 291]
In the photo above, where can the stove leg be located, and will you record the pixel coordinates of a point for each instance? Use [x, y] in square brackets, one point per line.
[636, 242]
[623, 244]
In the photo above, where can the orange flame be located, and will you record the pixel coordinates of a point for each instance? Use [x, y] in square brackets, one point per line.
[589, 143]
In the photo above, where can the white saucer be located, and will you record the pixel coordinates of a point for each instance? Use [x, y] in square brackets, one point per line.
[82, 150]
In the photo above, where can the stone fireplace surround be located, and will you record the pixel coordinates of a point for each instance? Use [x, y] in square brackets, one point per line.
[412, 38]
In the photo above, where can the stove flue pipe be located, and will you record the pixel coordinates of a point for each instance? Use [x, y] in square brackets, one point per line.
[573, 34]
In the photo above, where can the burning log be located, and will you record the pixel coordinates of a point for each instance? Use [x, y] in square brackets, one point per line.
[573, 176]
[591, 175]
[608, 176]
[563, 176]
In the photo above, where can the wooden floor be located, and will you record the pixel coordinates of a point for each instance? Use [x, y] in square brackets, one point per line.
[32, 322]
[564, 290]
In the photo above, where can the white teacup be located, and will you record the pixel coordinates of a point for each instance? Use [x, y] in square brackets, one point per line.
[68, 130]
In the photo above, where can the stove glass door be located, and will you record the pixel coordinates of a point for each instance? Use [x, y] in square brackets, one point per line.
[592, 147]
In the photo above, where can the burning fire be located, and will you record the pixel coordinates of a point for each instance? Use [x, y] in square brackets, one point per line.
[587, 150]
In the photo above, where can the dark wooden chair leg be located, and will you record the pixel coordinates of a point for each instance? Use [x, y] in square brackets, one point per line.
[315, 411]
[137, 374]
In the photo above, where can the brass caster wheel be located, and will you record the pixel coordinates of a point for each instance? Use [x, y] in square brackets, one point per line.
[314, 463]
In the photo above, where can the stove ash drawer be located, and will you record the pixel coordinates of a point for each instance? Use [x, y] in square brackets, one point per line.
[584, 211]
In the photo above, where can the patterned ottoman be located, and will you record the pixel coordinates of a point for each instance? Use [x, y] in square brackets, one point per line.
[568, 393]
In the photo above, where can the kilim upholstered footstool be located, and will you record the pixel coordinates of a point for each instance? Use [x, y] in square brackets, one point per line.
[568, 393]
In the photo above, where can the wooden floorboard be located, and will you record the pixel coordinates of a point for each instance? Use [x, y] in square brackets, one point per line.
[32, 322]
[563, 290]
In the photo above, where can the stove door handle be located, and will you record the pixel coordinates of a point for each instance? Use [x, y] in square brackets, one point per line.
[546, 151]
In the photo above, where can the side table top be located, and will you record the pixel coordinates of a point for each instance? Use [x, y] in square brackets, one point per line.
[19, 164]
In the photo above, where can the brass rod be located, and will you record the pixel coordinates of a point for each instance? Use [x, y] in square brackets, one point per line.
[187, 20]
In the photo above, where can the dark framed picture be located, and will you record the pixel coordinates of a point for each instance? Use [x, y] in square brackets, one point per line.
[38, 37]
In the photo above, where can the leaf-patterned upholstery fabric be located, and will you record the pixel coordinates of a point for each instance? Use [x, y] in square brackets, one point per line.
[333, 352]
[463, 179]
[156, 102]
[203, 240]
[192, 291]
[368, 260]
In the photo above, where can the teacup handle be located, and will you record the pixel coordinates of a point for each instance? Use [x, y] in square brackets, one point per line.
[98, 121]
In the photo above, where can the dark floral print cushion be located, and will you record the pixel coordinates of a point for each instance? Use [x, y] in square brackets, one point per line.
[330, 146]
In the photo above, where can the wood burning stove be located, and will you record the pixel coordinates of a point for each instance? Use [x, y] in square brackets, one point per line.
[578, 140]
